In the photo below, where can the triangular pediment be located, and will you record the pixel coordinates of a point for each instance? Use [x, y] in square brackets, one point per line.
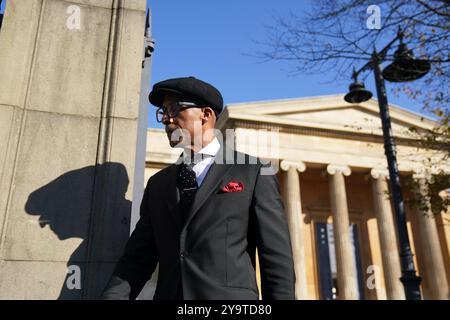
[329, 112]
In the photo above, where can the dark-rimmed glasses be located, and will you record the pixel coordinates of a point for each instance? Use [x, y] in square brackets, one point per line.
[172, 110]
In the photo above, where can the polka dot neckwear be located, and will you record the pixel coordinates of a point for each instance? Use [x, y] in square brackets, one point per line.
[187, 184]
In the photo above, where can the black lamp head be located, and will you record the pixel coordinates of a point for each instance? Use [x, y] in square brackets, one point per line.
[357, 93]
[405, 67]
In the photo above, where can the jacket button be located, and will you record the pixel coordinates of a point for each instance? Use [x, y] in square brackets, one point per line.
[182, 255]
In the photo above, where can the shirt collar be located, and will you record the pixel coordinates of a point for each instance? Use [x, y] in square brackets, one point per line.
[210, 150]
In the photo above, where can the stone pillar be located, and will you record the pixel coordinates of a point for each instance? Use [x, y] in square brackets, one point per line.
[433, 260]
[387, 234]
[69, 105]
[347, 279]
[293, 207]
[140, 180]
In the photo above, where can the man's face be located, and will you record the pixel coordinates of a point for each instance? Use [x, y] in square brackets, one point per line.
[188, 120]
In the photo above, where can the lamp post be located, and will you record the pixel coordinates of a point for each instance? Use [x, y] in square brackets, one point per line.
[404, 68]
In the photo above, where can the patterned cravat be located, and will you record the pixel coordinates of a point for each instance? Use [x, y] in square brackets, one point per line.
[187, 184]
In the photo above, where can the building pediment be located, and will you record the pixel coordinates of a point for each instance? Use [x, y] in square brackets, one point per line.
[328, 113]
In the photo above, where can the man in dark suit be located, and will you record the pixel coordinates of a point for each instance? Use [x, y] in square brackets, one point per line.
[203, 217]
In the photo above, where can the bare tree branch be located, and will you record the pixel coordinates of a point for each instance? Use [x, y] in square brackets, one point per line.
[333, 37]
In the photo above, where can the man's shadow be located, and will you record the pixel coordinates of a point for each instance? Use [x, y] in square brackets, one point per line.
[87, 203]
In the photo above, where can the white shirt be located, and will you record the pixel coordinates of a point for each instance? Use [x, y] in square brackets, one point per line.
[202, 167]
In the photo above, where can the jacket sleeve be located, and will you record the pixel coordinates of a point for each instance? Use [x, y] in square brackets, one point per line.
[272, 239]
[138, 261]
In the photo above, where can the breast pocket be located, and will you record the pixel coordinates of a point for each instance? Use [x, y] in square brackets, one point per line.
[232, 195]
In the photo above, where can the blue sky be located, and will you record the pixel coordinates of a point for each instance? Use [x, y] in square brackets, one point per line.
[210, 39]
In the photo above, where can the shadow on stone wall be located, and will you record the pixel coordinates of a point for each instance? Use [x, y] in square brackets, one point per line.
[66, 205]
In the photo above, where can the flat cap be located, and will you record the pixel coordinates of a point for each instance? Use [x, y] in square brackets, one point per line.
[188, 87]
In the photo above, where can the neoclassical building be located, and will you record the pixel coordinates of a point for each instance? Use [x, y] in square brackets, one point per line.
[330, 162]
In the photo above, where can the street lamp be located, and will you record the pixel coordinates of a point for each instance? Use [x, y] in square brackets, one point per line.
[358, 92]
[404, 68]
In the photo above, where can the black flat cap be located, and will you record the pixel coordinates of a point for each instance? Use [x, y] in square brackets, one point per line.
[190, 88]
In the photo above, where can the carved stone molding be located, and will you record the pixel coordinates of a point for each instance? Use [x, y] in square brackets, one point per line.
[298, 165]
[334, 168]
[377, 173]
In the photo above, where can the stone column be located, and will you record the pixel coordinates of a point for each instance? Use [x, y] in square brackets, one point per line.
[293, 207]
[69, 107]
[347, 279]
[387, 235]
[433, 260]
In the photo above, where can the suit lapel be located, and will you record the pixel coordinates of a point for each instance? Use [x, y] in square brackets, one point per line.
[173, 196]
[214, 176]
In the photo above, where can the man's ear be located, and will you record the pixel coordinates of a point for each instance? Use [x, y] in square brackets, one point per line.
[208, 115]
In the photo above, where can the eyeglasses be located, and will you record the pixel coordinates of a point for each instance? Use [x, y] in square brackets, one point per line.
[172, 110]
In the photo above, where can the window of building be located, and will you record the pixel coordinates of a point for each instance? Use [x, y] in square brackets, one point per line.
[326, 257]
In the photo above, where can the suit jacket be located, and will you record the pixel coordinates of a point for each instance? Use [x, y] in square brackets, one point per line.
[213, 255]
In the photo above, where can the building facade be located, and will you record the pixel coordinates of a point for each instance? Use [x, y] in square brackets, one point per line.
[330, 162]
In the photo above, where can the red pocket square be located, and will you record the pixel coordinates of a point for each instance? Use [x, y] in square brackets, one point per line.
[233, 186]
